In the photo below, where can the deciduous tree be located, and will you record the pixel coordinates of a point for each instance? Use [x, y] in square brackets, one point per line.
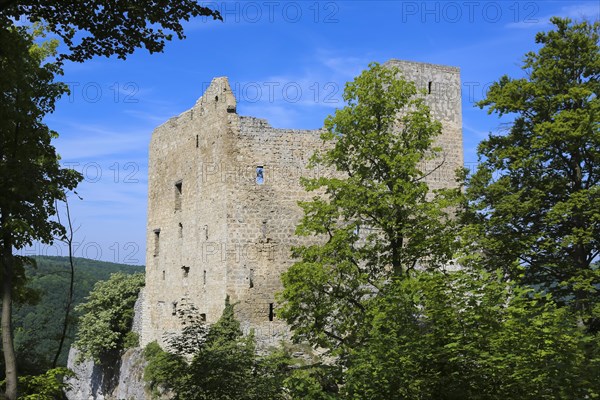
[377, 219]
[107, 316]
[535, 197]
[470, 335]
[224, 365]
[30, 175]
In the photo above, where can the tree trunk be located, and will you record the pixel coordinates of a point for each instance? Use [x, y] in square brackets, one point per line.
[69, 241]
[10, 361]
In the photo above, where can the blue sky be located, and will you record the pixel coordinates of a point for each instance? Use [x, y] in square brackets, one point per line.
[287, 61]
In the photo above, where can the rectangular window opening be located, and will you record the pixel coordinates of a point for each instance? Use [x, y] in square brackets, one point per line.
[260, 175]
[429, 87]
[178, 195]
[203, 317]
[271, 312]
[156, 242]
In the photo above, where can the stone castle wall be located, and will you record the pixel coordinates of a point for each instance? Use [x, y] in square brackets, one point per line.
[443, 95]
[187, 214]
[216, 229]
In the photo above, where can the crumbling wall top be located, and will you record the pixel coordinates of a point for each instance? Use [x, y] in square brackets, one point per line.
[448, 68]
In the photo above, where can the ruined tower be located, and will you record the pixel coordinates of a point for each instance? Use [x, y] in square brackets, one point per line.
[222, 205]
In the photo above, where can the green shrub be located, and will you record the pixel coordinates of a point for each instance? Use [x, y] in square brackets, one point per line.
[131, 340]
[107, 316]
[164, 370]
[46, 386]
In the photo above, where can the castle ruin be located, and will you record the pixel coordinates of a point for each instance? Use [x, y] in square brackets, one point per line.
[222, 205]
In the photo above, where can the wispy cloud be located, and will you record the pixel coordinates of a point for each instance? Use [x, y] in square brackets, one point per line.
[315, 91]
[82, 141]
[152, 118]
[344, 67]
[589, 10]
[479, 134]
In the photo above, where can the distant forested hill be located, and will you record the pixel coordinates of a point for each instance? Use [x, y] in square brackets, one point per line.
[38, 326]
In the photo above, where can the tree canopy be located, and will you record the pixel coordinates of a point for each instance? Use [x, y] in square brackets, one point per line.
[470, 335]
[30, 174]
[31, 177]
[107, 315]
[377, 219]
[373, 289]
[96, 28]
[535, 198]
[224, 365]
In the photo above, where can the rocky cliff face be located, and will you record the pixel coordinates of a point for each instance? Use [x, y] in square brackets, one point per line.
[121, 380]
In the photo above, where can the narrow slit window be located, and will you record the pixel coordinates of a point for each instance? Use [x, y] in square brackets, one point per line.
[271, 312]
[204, 277]
[163, 275]
[260, 175]
[429, 87]
[186, 271]
[156, 242]
[197, 141]
[178, 195]
[180, 230]
[264, 228]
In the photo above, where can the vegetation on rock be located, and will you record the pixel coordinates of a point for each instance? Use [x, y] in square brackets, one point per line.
[107, 315]
[37, 322]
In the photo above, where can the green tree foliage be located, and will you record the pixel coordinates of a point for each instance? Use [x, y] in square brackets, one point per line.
[225, 366]
[222, 368]
[90, 28]
[377, 219]
[29, 171]
[470, 335]
[373, 292]
[47, 386]
[107, 316]
[314, 382]
[30, 175]
[536, 195]
[38, 324]
[163, 370]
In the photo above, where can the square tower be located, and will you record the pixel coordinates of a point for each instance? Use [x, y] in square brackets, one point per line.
[222, 205]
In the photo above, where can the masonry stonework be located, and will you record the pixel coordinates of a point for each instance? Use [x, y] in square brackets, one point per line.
[222, 205]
